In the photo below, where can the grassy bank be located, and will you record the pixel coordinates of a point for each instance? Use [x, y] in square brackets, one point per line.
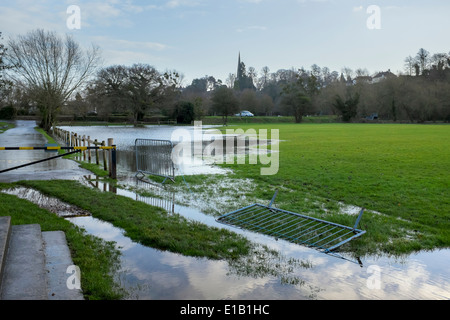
[5, 126]
[148, 225]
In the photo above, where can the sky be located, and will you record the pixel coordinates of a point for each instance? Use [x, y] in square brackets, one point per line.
[204, 37]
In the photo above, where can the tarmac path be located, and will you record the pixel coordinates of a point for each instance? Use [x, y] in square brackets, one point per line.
[25, 135]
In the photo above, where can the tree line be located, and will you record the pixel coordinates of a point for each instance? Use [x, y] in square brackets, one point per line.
[46, 74]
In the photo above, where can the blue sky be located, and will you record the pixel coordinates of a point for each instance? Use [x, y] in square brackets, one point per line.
[204, 37]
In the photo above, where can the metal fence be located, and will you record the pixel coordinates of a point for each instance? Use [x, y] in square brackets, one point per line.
[293, 227]
[154, 157]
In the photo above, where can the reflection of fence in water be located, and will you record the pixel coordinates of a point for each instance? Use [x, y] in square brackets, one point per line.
[154, 157]
[162, 198]
[158, 195]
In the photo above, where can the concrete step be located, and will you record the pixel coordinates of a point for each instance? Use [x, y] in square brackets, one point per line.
[34, 264]
[5, 232]
[57, 263]
[24, 276]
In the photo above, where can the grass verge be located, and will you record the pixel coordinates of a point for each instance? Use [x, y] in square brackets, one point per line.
[148, 225]
[5, 126]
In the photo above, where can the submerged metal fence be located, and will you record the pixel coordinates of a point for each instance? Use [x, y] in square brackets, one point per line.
[154, 157]
[293, 227]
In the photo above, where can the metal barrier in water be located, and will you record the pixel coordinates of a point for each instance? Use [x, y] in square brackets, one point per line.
[154, 157]
[293, 227]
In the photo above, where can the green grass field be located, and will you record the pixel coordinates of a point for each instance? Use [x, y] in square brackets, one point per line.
[399, 173]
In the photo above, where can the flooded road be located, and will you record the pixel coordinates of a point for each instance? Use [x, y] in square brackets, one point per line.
[25, 135]
[277, 270]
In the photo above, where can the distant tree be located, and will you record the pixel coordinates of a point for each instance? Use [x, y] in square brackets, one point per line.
[295, 100]
[224, 102]
[409, 65]
[248, 100]
[3, 65]
[423, 58]
[142, 89]
[5, 89]
[231, 80]
[51, 69]
[136, 89]
[264, 79]
[184, 112]
[108, 92]
[348, 73]
[265, 105]
[348, 108]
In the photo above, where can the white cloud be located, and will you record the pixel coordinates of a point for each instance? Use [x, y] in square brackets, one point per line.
[181, 3]
[120, 51]
[23, 18]
[108, 42]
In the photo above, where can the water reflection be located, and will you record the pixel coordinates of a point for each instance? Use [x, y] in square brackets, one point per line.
[158, 195]
[297, 273]
[300, 273]
[152, 274]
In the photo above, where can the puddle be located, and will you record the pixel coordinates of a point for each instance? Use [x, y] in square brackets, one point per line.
[51, 204]
[302, 273]
[153, 274]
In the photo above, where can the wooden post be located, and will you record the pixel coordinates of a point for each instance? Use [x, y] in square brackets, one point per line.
[89, 145]
[105, 165]
[110, 143]
[84, 145]
[97, 161]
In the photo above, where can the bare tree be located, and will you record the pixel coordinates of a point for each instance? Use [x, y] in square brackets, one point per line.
[265, 75]
[51, 68]
[231, 79]
[409, 65]
[423, 58]
[348, 73]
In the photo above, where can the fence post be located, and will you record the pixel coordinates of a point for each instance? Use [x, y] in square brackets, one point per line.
[110, 155]
[89, 146]
[105, 165]
[97, 161]
[113, 163]
[84, 145]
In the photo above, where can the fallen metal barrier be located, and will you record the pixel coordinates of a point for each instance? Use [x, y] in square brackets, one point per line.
[293, 227]
[154, 157]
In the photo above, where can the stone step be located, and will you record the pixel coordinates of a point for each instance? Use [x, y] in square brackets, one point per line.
[24, 276]
[59, 267]
[34, 265]
[5, 232]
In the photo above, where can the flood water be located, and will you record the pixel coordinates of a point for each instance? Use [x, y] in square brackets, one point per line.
[285, 272]
[294, 272]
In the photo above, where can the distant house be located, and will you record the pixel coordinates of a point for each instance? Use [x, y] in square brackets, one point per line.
[382, 76]
[362, 79]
